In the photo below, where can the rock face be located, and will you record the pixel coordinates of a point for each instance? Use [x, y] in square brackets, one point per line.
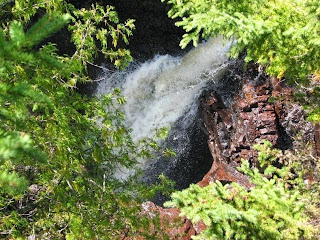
[232, 132]
[175, 227]
[260, 111]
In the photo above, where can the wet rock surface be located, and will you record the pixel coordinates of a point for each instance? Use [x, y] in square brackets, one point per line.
[260, 111]
[232, 132]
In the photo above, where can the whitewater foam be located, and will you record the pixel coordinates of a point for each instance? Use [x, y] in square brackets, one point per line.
[161, 90]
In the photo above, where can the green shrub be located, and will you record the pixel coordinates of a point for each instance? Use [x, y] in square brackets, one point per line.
[272, 209]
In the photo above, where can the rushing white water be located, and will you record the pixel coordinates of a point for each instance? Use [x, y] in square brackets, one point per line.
[161, 90]
[165, 89]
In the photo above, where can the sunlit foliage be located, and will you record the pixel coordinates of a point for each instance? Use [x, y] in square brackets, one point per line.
[272, 209]
[283, 35]
[59, 149]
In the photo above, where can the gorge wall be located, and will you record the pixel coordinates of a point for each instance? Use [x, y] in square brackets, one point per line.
[260, 111]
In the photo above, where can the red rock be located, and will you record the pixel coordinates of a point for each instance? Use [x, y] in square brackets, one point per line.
[173, 225]
[243, 105]
[263, 107]
[317, 139]
[265, 131]
[224, 172]
[245, 115]
[263, 98]
[253, 119]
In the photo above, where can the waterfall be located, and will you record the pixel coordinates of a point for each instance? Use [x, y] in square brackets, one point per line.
[165, 89]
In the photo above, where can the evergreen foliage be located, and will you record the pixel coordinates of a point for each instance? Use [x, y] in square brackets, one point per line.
[59, 149]
[272, 209]
[94, 29]
[282, 35]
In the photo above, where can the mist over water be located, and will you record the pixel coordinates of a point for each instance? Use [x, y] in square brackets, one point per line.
[164, 89]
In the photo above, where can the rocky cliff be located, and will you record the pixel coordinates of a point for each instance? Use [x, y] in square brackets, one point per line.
[261, 110]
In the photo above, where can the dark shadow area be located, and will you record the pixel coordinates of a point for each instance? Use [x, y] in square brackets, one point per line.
[284, 141]
[155, 33]
[192, 162]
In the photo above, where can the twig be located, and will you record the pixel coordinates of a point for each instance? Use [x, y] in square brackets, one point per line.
[103, 68]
